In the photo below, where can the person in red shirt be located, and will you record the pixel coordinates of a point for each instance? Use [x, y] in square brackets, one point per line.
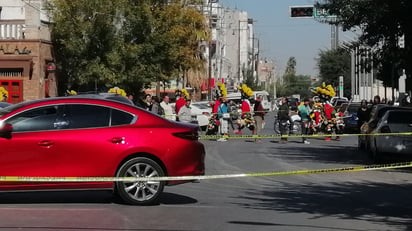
[180, 102]
[329, 114]
[245, 107]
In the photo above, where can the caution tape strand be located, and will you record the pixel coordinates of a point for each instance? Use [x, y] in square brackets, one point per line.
[204, 177]
[276, 136]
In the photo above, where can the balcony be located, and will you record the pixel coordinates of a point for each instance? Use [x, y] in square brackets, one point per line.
[12, 29]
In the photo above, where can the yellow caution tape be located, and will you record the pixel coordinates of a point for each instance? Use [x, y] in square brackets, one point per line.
[191, 178]
[212, 137]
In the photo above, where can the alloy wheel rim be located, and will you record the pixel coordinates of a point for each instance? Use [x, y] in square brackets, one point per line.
[141, 190]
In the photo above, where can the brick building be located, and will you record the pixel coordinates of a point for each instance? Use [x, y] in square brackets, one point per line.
[26, 54]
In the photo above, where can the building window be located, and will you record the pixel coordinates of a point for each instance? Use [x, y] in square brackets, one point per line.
[11, 72]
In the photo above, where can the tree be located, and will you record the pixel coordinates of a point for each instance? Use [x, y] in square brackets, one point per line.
[124, 42]
[292, 83]
[335, 63]
[381, 22]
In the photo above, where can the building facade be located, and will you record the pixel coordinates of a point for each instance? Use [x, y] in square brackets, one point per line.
[26, 52]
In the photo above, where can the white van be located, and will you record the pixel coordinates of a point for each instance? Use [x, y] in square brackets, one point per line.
[236, 96]
[265, 99]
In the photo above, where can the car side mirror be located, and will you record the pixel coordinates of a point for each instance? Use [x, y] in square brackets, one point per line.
[5, 130]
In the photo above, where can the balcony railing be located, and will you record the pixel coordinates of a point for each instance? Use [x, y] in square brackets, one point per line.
[12, 29]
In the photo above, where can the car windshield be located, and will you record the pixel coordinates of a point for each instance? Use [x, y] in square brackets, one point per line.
[353, 107]
[201, 105]
[400, 117]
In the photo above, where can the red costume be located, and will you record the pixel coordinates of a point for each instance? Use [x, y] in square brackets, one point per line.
[245, 107]
[179, 104]
[328, 109]
[215, 107]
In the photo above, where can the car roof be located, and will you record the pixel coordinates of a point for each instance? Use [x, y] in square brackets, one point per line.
[108, 96]
[61, 99]
[381, 109]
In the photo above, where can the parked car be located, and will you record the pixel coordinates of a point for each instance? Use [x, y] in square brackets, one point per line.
[109, 96]
[94, 137]
[337, 101]
[202, 110]
[4, 104]
[393, 121]
[351, 117]
[377, 113]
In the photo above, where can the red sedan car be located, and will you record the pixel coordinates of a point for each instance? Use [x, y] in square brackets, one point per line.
[92, 137]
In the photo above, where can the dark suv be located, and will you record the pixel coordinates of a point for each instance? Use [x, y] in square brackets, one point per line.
[377, 113]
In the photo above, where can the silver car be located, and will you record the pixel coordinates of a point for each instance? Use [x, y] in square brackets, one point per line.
[393, 121]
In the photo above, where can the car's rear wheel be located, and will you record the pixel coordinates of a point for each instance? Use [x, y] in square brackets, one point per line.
[140, 192]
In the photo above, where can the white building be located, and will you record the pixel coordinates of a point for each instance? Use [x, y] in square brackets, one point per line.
[233, 46]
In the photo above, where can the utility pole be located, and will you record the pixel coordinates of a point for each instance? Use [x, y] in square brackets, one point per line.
[334, 36]
[210, 55]
[238, 54]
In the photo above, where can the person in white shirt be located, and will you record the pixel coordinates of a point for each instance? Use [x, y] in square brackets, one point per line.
[169, 112]
[185, 114]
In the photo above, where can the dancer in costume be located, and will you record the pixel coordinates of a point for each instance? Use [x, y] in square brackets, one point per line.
[246, 119]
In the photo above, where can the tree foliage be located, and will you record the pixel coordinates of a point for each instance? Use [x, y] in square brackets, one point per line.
[125, 43]
[381, 23]
[291, 83]
[335, 63]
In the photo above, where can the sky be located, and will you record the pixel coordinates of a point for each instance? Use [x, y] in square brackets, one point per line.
[282, 37]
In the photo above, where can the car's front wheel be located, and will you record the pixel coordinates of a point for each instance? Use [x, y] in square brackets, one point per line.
[140, 192]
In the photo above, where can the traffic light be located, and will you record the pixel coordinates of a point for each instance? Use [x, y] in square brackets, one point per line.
[301, 11]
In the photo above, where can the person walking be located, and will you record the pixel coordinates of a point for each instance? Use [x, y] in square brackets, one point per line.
[185, 113]
[283, 118]
[148, 102]
[224, 118]
[156, 108]
[304, 112]
[180, 102]
[376, 99]
[363, 113]
[234, 115]
[258, 116]
[167, 108]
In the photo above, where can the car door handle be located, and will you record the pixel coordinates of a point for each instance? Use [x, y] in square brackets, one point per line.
[117, 140]
[46, 143]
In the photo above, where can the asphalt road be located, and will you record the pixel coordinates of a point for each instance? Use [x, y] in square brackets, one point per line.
[372, 200]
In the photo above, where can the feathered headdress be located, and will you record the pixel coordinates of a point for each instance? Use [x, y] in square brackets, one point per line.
[246, 91]
[71, 92]
[185, 94]
[4, 94]
[221, 90]
[118, 91]
[324, 91]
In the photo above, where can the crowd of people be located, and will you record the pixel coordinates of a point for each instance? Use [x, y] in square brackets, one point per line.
[310, 116]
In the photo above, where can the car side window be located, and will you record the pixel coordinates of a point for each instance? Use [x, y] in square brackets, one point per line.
[38, 119]
[86, 116]
[121, 118]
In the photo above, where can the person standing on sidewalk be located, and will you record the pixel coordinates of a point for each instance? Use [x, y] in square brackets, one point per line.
[304, 113]
[283, 118]
[258, 116]
[169, 112]
[224, 118]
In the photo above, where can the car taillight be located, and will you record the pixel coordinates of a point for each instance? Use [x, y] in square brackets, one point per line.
[189, 135]
[205, 113]
[385, 129]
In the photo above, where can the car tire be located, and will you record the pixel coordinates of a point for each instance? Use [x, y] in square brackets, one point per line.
[140, 192]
